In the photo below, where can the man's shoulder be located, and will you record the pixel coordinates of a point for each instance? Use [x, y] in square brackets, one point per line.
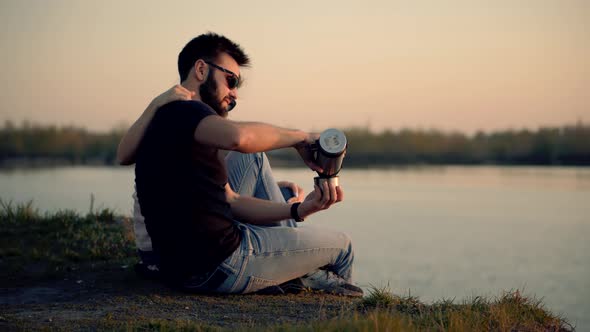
[181, 113]
[187, 105]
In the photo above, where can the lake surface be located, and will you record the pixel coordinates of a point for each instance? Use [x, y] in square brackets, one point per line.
[437, 232]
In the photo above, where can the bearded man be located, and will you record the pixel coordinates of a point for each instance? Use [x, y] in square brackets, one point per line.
[221, 224]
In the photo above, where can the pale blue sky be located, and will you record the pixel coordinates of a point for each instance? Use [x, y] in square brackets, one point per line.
[463, 65]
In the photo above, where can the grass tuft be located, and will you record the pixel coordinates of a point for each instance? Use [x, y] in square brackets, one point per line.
[20, 212]
[61, 239]
[384, 298]
[509, 312]
[379, 298]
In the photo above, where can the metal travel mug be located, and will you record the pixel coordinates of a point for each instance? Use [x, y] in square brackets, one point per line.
[330, 152]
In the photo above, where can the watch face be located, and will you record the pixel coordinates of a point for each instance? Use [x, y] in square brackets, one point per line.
[333, 141]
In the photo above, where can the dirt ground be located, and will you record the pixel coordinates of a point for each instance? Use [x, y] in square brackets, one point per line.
[115, 298]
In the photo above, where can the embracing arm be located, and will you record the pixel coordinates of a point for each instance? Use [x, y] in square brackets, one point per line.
[130, 141]
[132, 138]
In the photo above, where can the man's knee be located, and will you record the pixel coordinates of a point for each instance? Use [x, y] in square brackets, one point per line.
[242, 166]
[238, 159]
[339, 239]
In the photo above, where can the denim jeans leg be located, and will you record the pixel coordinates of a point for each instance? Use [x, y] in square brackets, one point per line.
[279, 254]
[250, 174]
[272, 255]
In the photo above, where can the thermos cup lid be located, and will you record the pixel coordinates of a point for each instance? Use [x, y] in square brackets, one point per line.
[332, 141]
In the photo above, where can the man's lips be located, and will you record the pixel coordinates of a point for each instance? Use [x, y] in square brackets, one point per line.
[231, 103]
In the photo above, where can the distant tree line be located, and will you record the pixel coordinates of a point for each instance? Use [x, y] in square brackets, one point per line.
[70, 145]
[567, 145]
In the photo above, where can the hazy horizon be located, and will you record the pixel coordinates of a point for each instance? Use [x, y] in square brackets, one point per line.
[448, 65]
[122, 126]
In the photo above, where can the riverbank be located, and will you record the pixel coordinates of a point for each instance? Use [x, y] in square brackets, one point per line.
[65, 271]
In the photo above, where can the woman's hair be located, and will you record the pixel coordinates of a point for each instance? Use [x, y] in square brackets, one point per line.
[208, 47]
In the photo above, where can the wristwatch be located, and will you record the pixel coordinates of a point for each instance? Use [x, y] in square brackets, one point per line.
[294, 213]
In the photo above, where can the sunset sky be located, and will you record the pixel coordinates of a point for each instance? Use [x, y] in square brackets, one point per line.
[451, 65]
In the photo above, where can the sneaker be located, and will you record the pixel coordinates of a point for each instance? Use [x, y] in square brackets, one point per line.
[270, 290]
[329, 282]
[294, 286]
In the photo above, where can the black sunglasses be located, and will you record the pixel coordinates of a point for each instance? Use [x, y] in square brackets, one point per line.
[233, 80]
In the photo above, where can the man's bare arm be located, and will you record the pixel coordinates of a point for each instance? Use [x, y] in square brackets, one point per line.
[246, 137]
[250, 137]
[263, 212]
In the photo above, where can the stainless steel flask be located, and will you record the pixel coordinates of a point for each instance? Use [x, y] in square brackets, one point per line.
[330, 150]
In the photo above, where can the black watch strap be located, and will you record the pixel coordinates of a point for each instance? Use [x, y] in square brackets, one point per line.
[294, 213]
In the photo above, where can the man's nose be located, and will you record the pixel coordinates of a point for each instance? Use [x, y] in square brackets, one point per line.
[234, 93]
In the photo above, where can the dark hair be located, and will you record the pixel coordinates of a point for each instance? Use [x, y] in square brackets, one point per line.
[208, 47]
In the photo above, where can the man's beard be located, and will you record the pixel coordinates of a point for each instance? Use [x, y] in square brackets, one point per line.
[208, 92]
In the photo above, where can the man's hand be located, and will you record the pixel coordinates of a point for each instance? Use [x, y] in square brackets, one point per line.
[177, 92]
[320, 199]
[303, 148]
[297, 191]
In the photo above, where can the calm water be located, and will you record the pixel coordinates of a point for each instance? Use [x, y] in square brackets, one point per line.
[437, 232]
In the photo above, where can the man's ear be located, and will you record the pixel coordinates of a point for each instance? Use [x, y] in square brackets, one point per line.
[201, 70]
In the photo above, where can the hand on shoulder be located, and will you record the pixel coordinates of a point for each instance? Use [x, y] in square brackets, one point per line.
[177, 92]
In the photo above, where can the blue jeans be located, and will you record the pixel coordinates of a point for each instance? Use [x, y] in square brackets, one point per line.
[269, 256]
